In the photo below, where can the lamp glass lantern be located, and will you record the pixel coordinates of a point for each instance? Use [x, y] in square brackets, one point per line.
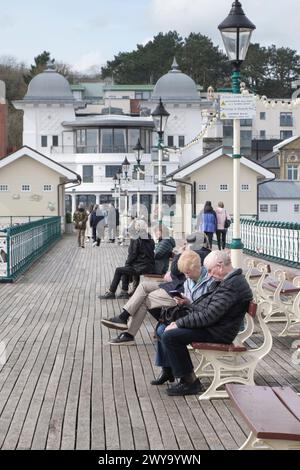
[160, 116]
[125, 166]
[236, 31]
[139, 151]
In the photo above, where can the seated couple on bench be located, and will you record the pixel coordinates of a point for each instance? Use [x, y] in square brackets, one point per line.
[215, 317]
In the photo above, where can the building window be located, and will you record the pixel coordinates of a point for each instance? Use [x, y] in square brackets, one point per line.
[286, 134]
[262, 134]
[25, 188]
[262, 116]
[263, 207]
[246, 122]
[55, 141]
[245, 187]
[273, 208]
[3, 188]
[296, 207]
[181, 141]
[47, 187]
[163, 172]
[170, 141]
[223, 187]
[112, 170]
[87, 173]
[286, 119]
[44, 141]
[202, 187]
[292, 172]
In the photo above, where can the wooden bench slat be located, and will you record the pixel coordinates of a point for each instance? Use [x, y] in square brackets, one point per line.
[219, 347]
[265, 414]
[290, 399]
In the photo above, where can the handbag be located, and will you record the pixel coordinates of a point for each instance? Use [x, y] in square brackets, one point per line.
[171, 314]
[227, 223]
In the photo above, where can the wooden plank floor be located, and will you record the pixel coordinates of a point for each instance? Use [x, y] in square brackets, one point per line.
[64, 387]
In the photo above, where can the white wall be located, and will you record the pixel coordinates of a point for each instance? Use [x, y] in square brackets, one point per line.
[285, 210]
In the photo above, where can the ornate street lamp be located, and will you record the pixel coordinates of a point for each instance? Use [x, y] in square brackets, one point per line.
[125, 169]
[236, 31]
[138, 150]
[160, 116]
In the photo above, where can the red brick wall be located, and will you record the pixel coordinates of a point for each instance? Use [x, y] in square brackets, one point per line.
[3, 130]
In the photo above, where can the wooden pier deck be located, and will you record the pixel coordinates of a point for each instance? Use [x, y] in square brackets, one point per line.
[64, 387]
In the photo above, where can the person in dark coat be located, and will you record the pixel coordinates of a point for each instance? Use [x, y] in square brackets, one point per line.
[97, 221]
[215, 318]
[163, 249]
[140, 260]
[80, 218]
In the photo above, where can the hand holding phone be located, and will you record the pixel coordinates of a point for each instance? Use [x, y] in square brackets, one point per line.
[175, 293]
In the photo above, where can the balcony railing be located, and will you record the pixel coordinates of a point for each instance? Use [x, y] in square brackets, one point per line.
[274, 241]
[21, 245]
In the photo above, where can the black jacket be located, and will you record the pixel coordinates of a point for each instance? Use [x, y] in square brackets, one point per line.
[221, 309]
[141, 255]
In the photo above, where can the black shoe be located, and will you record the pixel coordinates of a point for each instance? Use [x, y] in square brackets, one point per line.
[115, 322]
[183, 388]
[107, 295]
[123, 339]
[123, 295]
[165, 376]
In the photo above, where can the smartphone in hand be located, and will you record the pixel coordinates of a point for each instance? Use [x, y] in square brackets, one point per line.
[175, 293]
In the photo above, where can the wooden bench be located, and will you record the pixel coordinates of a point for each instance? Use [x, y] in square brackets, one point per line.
[272, 413]
[233, 363]
[153, 277]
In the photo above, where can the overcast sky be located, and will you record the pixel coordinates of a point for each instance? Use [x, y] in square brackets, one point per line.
[86, 33]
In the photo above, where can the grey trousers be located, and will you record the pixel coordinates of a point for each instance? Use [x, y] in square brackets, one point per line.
[148, 295]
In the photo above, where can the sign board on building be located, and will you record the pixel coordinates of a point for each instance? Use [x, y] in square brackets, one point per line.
[237, 106]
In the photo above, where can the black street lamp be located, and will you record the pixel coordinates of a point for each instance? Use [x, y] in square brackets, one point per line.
[125, 168]
[138, 150]
[160, 116]
[236, 31]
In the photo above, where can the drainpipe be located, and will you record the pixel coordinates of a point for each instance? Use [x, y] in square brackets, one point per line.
[193, 195]
[76, 182]
[257, 194]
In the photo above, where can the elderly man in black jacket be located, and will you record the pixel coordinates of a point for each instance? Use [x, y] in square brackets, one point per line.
[215, 318]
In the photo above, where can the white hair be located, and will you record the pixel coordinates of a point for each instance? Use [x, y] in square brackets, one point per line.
[216, 257]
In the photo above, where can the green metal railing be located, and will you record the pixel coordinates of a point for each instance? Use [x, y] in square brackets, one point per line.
[274, 241]
[21, 245]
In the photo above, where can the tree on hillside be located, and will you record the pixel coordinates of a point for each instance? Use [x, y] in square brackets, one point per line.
[148, 63]
[40, 63]
[255, 67]
[203, 61]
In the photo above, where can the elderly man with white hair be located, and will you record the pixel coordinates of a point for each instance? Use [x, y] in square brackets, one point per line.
[214, 318]
[140, 260]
